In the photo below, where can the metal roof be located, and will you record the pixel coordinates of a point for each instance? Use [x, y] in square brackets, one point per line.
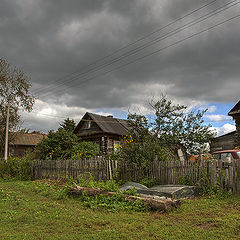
[27, 139]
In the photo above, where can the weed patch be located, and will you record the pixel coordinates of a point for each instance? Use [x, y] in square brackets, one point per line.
[30, 210]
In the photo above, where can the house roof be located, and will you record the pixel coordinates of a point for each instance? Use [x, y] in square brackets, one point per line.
[27, 139]
[107, 124]
[235, 109]
[225, 135]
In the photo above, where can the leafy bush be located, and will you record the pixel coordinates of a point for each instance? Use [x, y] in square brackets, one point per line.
[85, 150]
[64, 144]
[16, 168]
[109, 185]
[148, 182]
[114, 203]
[57, 145]
[186, 180]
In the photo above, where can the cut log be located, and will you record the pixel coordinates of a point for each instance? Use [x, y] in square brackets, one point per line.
[154, 204]
[90, 191]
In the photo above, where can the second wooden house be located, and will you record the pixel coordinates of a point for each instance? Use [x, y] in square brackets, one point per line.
[106, 131]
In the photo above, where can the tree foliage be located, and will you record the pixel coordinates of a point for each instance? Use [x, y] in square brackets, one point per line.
[14, 90]
[63, 144]
[170, 128]
[68, 125]
[85, 150]
[173, 124]
[57, 145]
[140, 146]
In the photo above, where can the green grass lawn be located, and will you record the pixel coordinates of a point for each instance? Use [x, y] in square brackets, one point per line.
[28, 210]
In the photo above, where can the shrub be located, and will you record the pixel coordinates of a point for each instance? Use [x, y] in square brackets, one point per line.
[57, 145]
[64, 144]
[85, 150]
[114, 203]
[16, 168]
[148, 182]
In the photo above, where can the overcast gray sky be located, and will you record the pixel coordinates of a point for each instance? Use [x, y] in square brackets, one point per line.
[52, 39]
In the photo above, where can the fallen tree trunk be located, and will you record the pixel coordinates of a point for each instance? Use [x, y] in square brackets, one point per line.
[154, 204]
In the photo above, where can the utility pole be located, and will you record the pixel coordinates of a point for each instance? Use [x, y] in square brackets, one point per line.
[6, 135]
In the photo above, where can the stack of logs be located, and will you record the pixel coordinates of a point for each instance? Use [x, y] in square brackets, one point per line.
[154, 204]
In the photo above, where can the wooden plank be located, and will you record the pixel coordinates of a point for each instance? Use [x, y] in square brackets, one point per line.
[234, 181]
[226, 169]
[231, 177]
[220, 174]
[213, 172]
[238, 177]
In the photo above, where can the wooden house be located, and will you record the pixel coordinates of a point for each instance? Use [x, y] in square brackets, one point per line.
[23, 142]
[235, 114]
[230, 140]
[224, 142]
[106, 131]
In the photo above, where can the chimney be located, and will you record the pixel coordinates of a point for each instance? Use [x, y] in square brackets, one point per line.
[110, 116]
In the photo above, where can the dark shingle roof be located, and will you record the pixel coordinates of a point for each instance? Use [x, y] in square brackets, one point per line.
[110, 125]
[106, 124]
[27, 139]
[235, 109]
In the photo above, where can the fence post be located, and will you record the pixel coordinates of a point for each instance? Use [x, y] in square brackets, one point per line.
[220, 174]
[213, 172]
[32, 170]
[110, 168]
[231, 176]
[238, 176]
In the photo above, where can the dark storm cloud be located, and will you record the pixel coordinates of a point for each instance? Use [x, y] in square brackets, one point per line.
[50, 39]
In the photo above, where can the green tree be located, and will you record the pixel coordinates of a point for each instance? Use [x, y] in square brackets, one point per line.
[173, 124]
[63, 144]
[68, 125]
[57, 145]
[14, 91]
[140, 146]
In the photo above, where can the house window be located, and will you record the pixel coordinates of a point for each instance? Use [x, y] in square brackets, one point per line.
[116, 145]
[87, 124]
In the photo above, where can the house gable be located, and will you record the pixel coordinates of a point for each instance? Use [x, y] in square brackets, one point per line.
[235, 110]
[105, 131]
[235, 113]
[93, 123]
[87, 126]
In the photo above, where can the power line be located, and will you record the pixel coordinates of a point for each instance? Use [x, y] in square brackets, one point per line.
[157, 51]
[156, 40]
[136, 41]
[109, 121]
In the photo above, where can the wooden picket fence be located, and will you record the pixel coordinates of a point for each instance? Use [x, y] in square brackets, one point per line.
[170, 172]
[99, 167]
